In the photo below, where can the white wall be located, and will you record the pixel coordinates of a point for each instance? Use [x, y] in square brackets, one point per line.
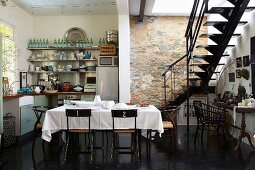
[242, 49]
[52, 27]
[23, 24]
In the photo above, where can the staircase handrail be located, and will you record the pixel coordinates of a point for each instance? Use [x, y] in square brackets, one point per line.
[173, 64]
[191, 38]
[192, 16]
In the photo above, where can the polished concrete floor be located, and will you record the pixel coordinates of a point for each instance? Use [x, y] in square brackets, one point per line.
[187, 157]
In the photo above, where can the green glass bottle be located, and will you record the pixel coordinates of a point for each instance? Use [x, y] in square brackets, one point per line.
[100, 42]
[55, 43]
[59, 43]
[91, 42]
[47, 43]
[29, 43]
[43, 43]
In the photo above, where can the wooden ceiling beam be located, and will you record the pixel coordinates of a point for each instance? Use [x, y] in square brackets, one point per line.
[142, 7]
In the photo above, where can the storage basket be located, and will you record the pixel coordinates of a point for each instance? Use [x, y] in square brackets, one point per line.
[108, 50]
[9, 137]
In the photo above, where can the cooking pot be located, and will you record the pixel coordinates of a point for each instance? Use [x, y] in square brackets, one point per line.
[67, 86]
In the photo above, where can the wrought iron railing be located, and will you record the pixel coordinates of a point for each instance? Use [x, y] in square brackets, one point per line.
[181, 66]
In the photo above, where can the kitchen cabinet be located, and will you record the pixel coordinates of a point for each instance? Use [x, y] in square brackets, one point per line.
[41, 100]
[27, 119]
[20, 108]
[69, 64]
[87, 97]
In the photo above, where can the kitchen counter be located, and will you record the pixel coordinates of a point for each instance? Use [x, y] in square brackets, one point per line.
[13, 96]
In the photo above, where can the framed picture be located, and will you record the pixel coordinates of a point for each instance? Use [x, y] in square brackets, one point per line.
[246, 61]
[238, 73]
[231, 77]
[238, 62]
[191, 108]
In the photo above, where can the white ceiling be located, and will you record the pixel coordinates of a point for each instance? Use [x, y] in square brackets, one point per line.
[101, 7]
[68, 7]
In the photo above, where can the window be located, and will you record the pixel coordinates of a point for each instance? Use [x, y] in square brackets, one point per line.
[9, 52]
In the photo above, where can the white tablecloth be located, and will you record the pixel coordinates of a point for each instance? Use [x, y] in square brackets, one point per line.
[101, 119]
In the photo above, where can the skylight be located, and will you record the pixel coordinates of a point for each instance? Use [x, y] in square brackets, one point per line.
[172, 6]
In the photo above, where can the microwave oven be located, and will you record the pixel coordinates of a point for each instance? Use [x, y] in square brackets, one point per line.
[108, 61]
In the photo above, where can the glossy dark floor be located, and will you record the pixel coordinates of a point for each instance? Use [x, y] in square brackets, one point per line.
[186, 157]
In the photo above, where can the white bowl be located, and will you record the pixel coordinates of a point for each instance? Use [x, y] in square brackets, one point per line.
[108, 104]
[78, 88]
[121, 106]
[84, 104]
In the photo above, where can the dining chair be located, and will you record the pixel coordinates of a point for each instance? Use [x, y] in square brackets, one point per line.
[210, 117]
[73, 114]
[130, 117]
[169, 118]
[39, 111]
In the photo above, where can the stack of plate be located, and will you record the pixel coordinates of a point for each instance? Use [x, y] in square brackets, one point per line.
[112, 36]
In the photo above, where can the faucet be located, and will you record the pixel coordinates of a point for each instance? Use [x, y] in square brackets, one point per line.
[10, 88]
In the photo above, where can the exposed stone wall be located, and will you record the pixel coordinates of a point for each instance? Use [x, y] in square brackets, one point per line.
[155, 43]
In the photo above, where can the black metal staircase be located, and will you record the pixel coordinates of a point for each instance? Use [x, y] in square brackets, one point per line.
[214, 52]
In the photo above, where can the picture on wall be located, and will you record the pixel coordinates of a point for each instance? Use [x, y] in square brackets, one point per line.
[192, 115]
[238, 73]
[238, 62]
[246, 61]
[231, 77]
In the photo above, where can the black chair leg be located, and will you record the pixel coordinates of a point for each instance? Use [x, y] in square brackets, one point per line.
[202, 133]
[196, 134]
[44, 154]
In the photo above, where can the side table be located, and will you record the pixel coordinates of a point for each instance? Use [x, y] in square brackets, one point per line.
[243, 133]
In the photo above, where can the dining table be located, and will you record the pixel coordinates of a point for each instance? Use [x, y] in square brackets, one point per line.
[55, 120]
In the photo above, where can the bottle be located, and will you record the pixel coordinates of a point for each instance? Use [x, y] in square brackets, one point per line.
[68, 43]
[29, 43]
[77, 44]
[55, 43]
[36, 43]
[84, 44]
[40, 43]
[62, 43]
[59, 43]
[243, 102]
[43, 43]
[47, 43]
[100, 42]
[103, 43]
[97, 100]
[91, 42]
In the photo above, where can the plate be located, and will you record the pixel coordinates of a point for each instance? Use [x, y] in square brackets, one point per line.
[75, 34]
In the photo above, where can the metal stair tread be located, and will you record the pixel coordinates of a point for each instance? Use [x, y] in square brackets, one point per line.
[212, 46]
[197, 72]
[249, 8]
[216, 10]
[208, 35]
[205, 56]
[199, 64]
[212, 23]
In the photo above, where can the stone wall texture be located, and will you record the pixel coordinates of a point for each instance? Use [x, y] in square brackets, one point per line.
[155, 43]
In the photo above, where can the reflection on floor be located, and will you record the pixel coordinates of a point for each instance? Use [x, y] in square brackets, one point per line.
[209, 156]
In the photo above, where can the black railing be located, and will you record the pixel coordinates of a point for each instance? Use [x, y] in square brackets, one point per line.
[194, 23]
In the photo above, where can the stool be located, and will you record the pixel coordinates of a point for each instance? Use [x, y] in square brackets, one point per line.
[39, 111]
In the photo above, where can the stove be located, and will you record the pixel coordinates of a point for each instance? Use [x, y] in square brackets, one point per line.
[62, 97]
